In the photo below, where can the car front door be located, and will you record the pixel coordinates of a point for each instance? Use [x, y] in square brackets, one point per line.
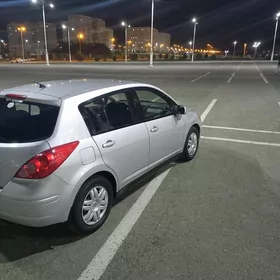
[166, 130]
[122, 140]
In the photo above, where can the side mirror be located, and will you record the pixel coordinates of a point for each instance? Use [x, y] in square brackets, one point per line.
[182, 110]
[179, 110]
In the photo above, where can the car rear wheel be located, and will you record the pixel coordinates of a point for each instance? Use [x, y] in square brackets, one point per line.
[191, 145]
[92, 205]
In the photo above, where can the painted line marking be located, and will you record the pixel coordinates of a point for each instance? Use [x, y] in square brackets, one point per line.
[241, 129]
[238, 67]
[201, 77]
[208, 109]
[279, 103]
[102, 259]
[263, 77]
[231, 77]
[241, 141]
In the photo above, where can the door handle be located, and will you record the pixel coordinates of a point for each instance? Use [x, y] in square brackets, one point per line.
[109, 144]
[154, 129]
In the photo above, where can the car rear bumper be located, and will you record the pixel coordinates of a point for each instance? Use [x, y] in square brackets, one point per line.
[39, 204]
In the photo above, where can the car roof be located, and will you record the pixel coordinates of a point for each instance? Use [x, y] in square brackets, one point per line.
[64, 89]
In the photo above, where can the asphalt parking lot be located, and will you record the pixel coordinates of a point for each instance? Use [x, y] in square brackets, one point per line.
[217, 217]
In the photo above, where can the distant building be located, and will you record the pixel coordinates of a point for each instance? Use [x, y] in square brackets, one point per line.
[108, 37]
[163, 41]
[82, 25]
[93, 29]
[33, 38]
[98, 28]
[139, 39]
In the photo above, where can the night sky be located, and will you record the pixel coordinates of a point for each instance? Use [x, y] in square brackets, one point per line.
[220, 21]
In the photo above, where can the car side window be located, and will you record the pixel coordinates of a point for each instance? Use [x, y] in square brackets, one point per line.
[106, 113]
[153, 103]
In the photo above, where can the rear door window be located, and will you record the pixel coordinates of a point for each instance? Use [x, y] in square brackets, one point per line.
[107, 113]
[24, 122]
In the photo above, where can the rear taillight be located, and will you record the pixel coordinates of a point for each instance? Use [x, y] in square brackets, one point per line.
[45, 163]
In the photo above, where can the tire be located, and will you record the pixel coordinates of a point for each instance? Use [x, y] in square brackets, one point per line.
[188, 155]
[78, 219]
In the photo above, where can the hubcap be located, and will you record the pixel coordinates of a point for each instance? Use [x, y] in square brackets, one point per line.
[192, 144]
[95, 205]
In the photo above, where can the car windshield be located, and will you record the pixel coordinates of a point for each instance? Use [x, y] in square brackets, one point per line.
[26, 121]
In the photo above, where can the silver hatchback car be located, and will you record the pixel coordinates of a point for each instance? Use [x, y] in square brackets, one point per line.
[68, 147]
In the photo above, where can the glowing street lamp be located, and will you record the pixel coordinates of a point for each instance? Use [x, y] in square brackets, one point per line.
[194, 21]
[22, 29]
[81, 37]
[256, 45]
[234, 47]
[45, 28]
[68, 39]
[125, 35]
[275, 35]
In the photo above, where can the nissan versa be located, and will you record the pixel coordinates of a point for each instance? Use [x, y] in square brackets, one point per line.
[68, 147]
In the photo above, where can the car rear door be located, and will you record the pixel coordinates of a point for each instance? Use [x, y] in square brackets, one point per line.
[166, 131]
[25, 124]
[122, 140]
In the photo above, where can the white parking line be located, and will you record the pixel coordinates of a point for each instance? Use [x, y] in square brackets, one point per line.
[105, 255]
[241, 141]
[208, 109]
[263, 77]
[201, 77]
[231, 77]
[242, 129]
[279, 103]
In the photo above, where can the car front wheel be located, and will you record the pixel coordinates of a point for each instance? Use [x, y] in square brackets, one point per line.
[92, 205]
[191, 145]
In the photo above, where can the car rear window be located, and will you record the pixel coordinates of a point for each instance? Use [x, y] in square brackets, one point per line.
[24, 122]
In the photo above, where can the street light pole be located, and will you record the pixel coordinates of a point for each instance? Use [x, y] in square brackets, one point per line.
[234, 47]
[45, 28]
[152, 35]
[69, 40]
[69, 45]
[125, 37]
[45, 34]
[256, 45]
[275, 35]
[21, 29]
[194, 34]
[125, 31]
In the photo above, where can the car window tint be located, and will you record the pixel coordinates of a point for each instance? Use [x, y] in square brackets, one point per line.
[152, 104]
[107, 113]
[26, 121]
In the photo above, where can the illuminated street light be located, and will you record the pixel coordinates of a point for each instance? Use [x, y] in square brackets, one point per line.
[69, 40]
[194, 21]
[125, 37]
[234, 47]
[275, 35]
[81, 37]
[45, 28]
[256, 45]
[22, 29]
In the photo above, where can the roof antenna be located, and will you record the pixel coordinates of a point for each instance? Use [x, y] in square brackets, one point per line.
[41, 86]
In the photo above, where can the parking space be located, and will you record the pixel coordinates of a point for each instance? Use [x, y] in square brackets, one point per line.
[217, 217]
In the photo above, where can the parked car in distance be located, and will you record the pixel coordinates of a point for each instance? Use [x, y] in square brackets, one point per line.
[68, 147]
